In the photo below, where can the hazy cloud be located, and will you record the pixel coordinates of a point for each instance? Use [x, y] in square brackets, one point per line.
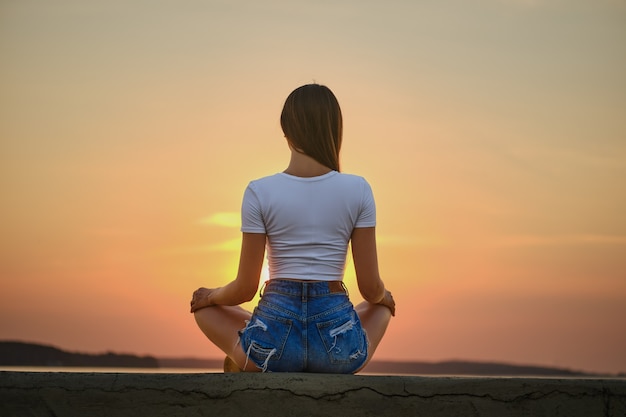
[231, 245]
[224, 219]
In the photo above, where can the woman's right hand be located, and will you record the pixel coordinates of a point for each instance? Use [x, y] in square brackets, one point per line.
[200, 299]
[389, 302]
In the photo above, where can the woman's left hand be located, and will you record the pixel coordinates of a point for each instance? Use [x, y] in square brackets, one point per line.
[389, 302]
[200, 299]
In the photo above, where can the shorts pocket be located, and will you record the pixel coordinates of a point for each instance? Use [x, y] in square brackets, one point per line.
[343, 339]
[264, 338]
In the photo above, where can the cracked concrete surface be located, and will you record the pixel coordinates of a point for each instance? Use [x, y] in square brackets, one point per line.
[119, 394]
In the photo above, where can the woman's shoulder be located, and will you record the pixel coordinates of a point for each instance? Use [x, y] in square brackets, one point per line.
[268, 179]
[353, 179]
[332, 177]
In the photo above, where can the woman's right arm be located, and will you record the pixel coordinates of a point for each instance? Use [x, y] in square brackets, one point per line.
[244, 287]
[365, 260]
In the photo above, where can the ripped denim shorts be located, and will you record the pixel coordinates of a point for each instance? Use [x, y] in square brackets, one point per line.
[305, 326]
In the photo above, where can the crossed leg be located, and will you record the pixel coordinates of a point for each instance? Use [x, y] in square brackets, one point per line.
[221, 325]
[374, 319]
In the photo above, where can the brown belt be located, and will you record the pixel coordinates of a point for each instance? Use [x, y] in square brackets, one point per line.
[336, 287]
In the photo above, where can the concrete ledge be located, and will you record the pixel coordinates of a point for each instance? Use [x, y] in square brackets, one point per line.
[258, 395]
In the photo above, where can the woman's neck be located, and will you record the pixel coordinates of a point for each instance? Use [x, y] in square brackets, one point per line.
[302, 165]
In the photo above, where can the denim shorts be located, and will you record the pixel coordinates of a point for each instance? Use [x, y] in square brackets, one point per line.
[304, 326]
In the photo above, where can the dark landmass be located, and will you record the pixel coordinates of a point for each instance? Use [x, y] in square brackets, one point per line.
[30, 354]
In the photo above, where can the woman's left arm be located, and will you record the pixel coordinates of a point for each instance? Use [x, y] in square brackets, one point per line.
[244, 287]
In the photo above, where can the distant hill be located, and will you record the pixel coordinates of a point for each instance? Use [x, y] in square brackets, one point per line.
[31, 354]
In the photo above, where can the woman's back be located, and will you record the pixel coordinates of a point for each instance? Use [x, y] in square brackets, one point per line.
[308, 221]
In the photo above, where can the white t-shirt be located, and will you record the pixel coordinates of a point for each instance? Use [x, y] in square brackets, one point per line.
[308, 221]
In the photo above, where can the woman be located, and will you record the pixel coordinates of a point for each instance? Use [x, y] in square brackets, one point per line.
[306, 216]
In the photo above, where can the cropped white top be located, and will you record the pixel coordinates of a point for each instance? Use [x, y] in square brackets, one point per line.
[308, 221]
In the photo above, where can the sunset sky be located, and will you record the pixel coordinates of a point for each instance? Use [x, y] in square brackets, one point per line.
[493, 133]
